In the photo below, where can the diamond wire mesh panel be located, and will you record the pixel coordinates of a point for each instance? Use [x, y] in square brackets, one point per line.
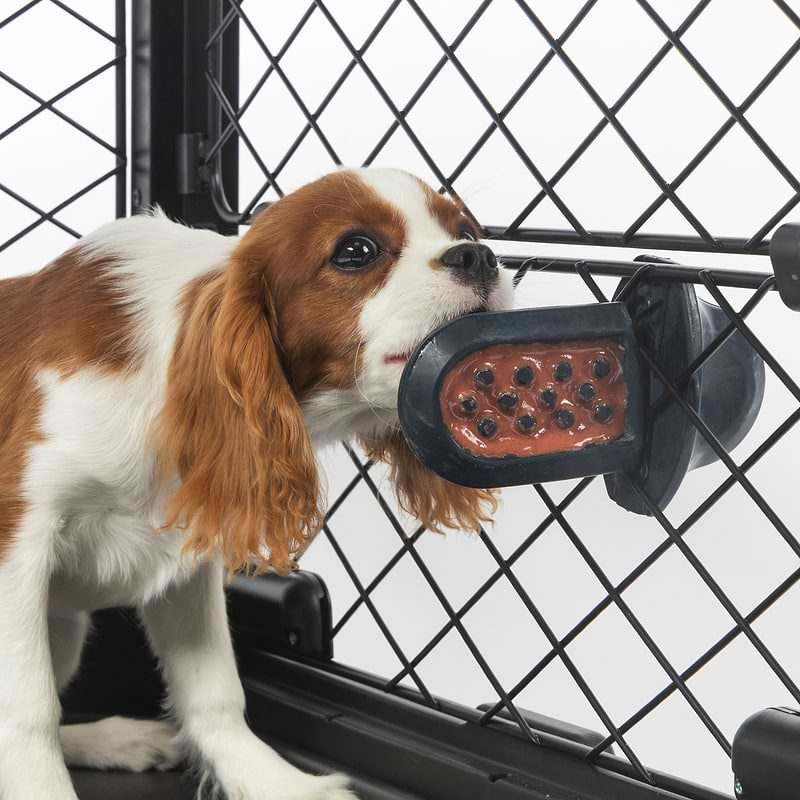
[680, 620]
[63, 141]
[610, 118]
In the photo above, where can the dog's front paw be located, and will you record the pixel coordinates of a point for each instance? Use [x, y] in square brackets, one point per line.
[119, 743]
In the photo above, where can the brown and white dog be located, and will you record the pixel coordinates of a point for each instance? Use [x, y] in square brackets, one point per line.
[162, 391]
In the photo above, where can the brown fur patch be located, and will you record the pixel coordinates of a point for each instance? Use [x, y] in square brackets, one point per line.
[437, 503]
[316, 305]
[70, 315]
[450, 214]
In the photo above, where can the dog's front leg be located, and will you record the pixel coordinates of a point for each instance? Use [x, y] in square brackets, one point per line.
[188, 629]
[31, 762]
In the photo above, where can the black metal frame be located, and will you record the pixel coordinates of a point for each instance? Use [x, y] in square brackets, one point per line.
[173, 112]
[120, 145]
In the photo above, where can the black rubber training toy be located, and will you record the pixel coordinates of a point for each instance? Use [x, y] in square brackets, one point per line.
[497, 399]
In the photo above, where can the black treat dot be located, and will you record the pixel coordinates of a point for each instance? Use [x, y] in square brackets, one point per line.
[564, 418]
[601, 368]
[507, 400]
[549, 397]
[523, 376]
[487, 427]
[563, 371]
[484, 377]
[603, 412]
[586, 391]
[469, 405]
[526, 423]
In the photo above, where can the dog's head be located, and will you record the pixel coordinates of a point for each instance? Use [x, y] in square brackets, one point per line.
[359, 267]
[304, 336]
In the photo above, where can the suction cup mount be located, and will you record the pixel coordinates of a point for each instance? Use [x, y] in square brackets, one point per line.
[674, 327]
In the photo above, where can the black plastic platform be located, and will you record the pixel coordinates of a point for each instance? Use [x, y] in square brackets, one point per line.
[325, 717]
[92, 785]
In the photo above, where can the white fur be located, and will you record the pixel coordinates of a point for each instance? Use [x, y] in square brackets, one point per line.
[89, 541]
[132, 745]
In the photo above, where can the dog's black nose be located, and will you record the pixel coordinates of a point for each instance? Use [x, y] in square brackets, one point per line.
[471, 262]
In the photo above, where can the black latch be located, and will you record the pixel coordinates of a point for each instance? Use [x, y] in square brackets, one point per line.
[290, 615]
[784, 252]
[766, 756]
[192, 171]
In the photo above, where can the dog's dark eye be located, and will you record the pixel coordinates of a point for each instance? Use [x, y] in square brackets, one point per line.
[465, 232]
[356, 252]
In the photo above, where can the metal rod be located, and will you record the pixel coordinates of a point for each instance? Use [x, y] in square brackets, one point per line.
[121, 121]
[642, 241]
[734, 278]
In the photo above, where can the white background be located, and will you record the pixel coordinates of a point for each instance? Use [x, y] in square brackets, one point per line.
[733, 193]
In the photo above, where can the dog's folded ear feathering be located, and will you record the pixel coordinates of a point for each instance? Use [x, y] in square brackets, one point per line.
[438, 504]
[232, 430]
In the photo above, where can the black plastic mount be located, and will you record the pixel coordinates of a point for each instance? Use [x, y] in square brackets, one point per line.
[420, 387]
[289, 614]
[766, 756]
[677, 329]
[325, 716]
[784, 252]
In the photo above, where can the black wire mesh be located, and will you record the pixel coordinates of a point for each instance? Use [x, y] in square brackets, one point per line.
[231, 120]
[101, 36]
[742, 624]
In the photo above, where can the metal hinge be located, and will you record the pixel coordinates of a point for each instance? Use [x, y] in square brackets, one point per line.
[192, 170]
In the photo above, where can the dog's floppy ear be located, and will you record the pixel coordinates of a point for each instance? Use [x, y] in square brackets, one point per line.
[437, 503]
[232, 430]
